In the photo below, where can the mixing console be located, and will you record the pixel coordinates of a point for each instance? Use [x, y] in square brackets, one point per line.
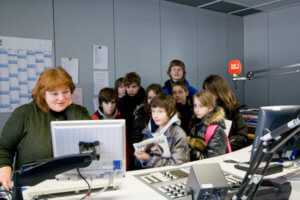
[171, 183]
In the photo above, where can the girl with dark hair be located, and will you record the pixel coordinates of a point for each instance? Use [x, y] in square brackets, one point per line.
[238, 135]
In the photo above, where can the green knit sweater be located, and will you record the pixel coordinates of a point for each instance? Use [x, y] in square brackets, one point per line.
[27, 133]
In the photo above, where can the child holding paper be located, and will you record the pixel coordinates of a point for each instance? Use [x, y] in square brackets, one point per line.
[163, 109]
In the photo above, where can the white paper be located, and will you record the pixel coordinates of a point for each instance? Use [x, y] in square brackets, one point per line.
[4, 87]
[21, 62]
[4, 72]
[100, 81]
[5, 102]
[3, 56]
[14, 83]
[23, 90]
[96, 103]
[15, 95]
[71, 66]
[77, 96]
[100, 57]
[228, 126]
[159, 143]
[26, 43]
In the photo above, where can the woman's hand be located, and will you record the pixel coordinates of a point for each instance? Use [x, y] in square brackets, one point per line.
[188, 138]
[5, 173]
[141, 155]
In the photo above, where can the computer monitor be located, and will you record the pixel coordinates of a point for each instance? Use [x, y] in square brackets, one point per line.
[105, 139]
[272, 117]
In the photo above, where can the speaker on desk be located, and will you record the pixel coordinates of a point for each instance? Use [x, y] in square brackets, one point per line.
[206, 181]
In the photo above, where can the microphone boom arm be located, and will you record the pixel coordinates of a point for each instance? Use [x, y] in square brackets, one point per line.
[34, 173]
[263, 155]
[286, 69]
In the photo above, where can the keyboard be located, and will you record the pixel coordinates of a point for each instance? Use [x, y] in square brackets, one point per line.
[52, 187]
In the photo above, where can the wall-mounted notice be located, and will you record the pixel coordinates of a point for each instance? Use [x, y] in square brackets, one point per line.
[100, 57]
[100, 81]
[71, 66]
[77, 96]
[96, 103]
[22, 60]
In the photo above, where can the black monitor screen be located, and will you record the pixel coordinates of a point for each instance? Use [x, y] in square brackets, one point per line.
[272, 117]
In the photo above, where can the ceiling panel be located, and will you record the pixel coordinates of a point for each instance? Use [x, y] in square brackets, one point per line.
[246, 12]
[279, 4]
[252, 3]
[224, 7]
[238, 7]
[194, 3]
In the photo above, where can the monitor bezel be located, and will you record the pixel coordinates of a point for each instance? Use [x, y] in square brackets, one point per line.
[120, 123]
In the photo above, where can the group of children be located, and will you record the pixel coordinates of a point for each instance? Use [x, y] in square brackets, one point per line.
[191, 121]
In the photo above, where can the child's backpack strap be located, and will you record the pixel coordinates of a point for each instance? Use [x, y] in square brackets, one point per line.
[210, 131]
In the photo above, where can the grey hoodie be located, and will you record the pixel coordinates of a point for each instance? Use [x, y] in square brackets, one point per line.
[178, 144]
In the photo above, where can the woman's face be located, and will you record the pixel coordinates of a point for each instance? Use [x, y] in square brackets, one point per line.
[156, 150]
[58, 99]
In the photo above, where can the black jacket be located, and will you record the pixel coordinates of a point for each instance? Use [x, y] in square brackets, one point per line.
[238, 135]
[217, 144]
[185, 113]
[140, 121]
[128, 105]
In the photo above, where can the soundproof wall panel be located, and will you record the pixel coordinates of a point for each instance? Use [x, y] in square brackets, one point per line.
[179, 39]
[137, 39]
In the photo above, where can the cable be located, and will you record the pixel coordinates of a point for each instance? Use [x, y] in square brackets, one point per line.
[88, 193]
[110, 181]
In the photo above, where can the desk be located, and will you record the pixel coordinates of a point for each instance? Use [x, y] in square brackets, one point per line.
[133, 189]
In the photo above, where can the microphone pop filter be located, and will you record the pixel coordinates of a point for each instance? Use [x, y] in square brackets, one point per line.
[235, 67]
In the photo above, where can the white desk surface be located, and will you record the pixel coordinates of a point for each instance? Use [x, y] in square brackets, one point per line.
[133, 189]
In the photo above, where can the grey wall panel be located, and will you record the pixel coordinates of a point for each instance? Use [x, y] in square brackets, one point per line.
[142, 36]
[179, 38]
[79, 25]
[212, 44]
[28, 19]
[137, 39]
[255, 58]
[284, 34]
[235, 51]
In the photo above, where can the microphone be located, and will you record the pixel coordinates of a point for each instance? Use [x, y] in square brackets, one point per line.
[235, 68]
[282, 129]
